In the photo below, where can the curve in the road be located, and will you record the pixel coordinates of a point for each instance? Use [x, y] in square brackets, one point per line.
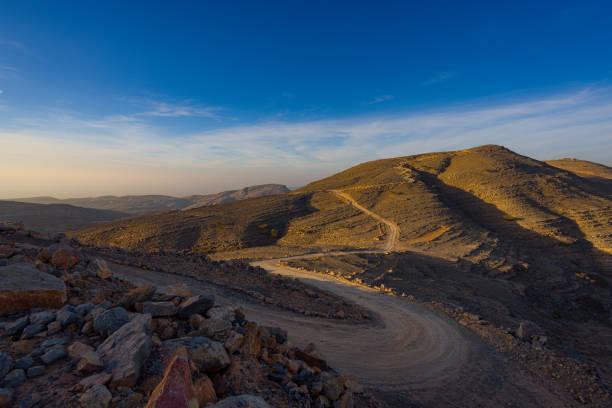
[394, 232]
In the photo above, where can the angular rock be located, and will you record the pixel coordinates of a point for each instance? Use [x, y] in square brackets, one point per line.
[208, 355]
[64, 259]
[31, 329]
[138, 295]
[233, 342]
[25, 363]
[83, 309]
[332, 387]
[195, 304]
[53, 328]
[251, 344]
[14, 379]
[100, 268]
[176, 388]
[21, 347]
[16, 327]
[215, 326]
[43, 318]
[159, 309]
[53, 354]
[90, 362]
[97, 396]
[53, 342]
[96, 379]
[205, 391]
[35, 371]
[77, 349]
[125, 351]
[111, 320]
[66, 316]
[345, 401]
[242, 401]
[23, 287]
[310, 356]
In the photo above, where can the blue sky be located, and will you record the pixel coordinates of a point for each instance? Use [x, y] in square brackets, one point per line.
[147, 97]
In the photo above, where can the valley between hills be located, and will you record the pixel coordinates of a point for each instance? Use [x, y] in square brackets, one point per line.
[477, 277]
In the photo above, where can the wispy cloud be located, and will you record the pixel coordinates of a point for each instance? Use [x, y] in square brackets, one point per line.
[157, 108]
[8, 72]
[379, 99]
[439, 77]
[152, 159]
[1, 91]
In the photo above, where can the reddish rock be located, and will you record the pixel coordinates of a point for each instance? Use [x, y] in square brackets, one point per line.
[64, 259]
[233, 342]
[310, 356]
[205, 391]
[21, 347]
[176, 389]
[23, 287]
[251, 343]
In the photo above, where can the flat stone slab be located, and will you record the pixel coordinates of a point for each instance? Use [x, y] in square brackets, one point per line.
[23, 287]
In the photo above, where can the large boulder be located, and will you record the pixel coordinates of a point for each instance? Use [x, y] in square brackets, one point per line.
[195, 304]
[111, 320]
[208, 355]
[64, 259]
[125, 351]
[242, 401]
[176, 389]
[23, 287]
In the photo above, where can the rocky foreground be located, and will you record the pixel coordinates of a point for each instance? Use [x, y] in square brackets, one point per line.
[73, 335]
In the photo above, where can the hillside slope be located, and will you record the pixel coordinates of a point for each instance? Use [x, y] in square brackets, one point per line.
[583, 168]
[142, 204]
[234, 195]
[483, 203]
[53, 218]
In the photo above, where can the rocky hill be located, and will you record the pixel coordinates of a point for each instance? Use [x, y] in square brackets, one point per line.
[463, 203]
[141, 204]
[52, 218]
[73, 333]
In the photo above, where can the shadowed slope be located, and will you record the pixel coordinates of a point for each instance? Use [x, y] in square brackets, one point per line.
[54, 217]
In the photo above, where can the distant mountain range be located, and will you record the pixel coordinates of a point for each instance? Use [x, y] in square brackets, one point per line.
[141, 204]
[54, 217]
[49, 214]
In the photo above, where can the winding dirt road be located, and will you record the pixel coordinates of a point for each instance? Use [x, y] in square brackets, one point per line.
[406, 353]
[394, 231]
